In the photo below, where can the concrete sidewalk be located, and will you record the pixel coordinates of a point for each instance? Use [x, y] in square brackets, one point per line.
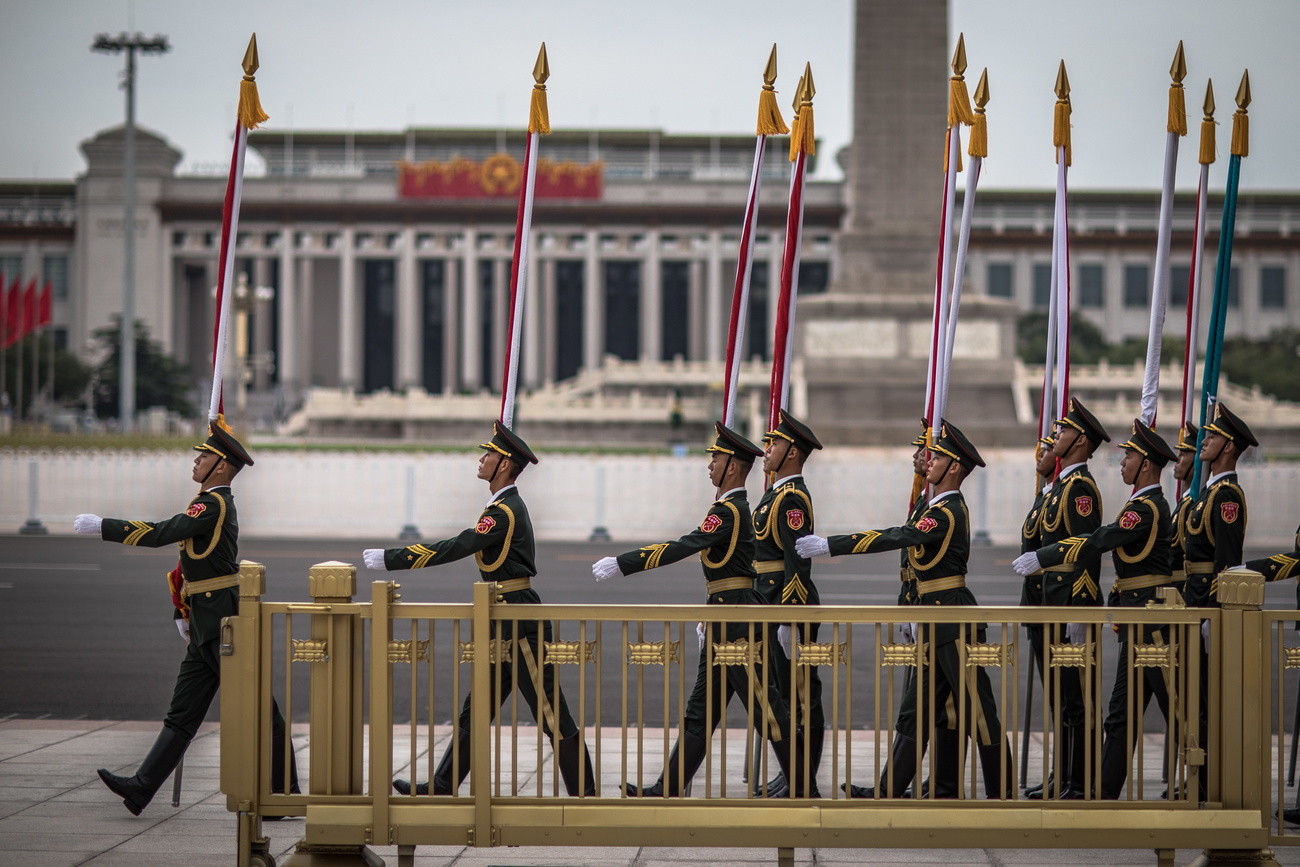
[55, 812]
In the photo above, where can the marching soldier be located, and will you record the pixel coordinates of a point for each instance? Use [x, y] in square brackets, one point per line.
[1031, 593]
[938, 543]
[725, 542]
[1183, 470]
[205, 588]
[1073, 509]
[1215, 529]
[1140, 542]
[502, 544]
[784, 515]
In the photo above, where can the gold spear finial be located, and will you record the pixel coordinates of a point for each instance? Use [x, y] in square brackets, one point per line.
[979, 130]
[959, 56]
[802, 138]
[250, 106]
[958, 99]
[250, 63]
[542, 68]
[1207, 125]
[1240, 122]
[798, 96]
[539, 116]
[770, 121]
[1177, 121]
[810, 89]
[1061, 114]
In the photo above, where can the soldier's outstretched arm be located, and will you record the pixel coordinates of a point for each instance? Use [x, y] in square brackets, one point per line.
[494, 527]
[205, 516]
[1136, 523]
[719, 527]
[1279, 567]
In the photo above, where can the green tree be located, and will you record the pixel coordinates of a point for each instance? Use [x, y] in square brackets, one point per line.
[1272, 364]
[160, 380]
[1087, 344]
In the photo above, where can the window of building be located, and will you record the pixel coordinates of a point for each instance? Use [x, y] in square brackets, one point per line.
[1042, 285]
[1234, 288]
[433, 290]
[999, 280]
[1091, 288]
[1272, 287]
[11, 269]
[379, 315]
[487, 323]
[569, 288]
[675, 300]
[814, 277]
[623, 309]
[55, 271]
[1137, 286]
[1179, 276]
[758, 332]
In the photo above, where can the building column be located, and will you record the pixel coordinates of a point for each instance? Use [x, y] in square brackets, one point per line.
[471, 352]
[350, 347]
[259, 342]
[302, 344]
[652, 308]
[530, 375]
[501, 320]
[548, 337]
[593, 305]
[408, 314]
[713, 315]
[451, 281]
[286, 360]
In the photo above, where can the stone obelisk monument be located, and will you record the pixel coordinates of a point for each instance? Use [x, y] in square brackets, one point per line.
[865, 343]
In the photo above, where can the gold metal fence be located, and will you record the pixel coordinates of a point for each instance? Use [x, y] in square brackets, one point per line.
[387, 680]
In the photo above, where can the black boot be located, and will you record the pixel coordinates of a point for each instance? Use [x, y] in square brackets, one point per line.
[567, 751]
[692, 748]
[793, 759]
[1077, 784]
[136, 792]
[997, 782]
[443, 784]
[1114, 767]
[947, 758]
[277, 761]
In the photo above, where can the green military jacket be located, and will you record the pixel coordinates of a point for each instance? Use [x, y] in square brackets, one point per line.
[937, 539]
[1139, 540]
[207, 533]
[501, 542]
[1279, 567]
[906, 576]
[725, 542]
[1180, 516]
[1213, 539]
[784, 514]
[1031, 539]
[1073, 508]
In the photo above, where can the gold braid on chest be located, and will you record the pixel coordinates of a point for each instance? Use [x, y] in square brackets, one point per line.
[505, 545]
[1151, 537]
[188, 545]
[916, 551]
[731, 547]
[769, 529]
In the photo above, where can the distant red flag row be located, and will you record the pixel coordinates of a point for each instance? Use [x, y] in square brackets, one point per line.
[21, 313]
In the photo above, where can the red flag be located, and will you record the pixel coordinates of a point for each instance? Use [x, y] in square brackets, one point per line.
[4, 311]
[29, 309]
[13, 313]
[45, 309]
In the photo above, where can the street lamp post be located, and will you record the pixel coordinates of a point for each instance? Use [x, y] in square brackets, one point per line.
[130, 43]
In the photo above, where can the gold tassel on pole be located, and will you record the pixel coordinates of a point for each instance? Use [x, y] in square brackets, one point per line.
[794, 120]
[1061, 116]
[1177, 106]
[770, 121]
[1241, 123]
[959, 110]
[250, 107]
[1207, 126]
[539, 118]
[803, 138]
[979, 130]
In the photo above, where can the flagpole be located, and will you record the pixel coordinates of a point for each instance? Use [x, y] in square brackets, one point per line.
[1223, 269]
[5, 326]
[803, 143]
[249, 115]
[539, 124]
[1206, 157]
[1175, 128]
[769, 122]
[1055, 397]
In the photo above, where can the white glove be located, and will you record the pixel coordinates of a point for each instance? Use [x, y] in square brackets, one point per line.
[183, 627]
[605, 567]
[699, 630]
[1026, 564]
[811, 546]
[1205, 630]
[1076, 633]
[916, 631]
[907, 632]
[87, 525]
[783, 637]
[374, 558]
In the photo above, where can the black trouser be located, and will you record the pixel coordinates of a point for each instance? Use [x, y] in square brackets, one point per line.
[1153, 683]
[722, 682]
[807, 677]
[1070, 708]
[552, 711]
[982, 721]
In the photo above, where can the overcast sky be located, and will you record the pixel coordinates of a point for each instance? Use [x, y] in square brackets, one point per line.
[684, 67]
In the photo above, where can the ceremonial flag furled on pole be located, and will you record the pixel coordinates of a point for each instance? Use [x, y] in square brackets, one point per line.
[249, 115]
[803, 144]
[1192, 340]
[539, 124]
[1056, 365]
[1223, 268]
[1175, 128]
[769, 123]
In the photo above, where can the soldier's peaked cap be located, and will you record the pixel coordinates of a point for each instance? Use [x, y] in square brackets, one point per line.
[921, 440]
[506, 442]
[790, 428]
[953, 443]
[1186, 438]
[1079, 418]
[728, 442]
[222, 443]
[1229, 425]
[1149, 444]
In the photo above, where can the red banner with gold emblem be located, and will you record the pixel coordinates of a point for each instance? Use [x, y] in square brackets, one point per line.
[498, 177]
